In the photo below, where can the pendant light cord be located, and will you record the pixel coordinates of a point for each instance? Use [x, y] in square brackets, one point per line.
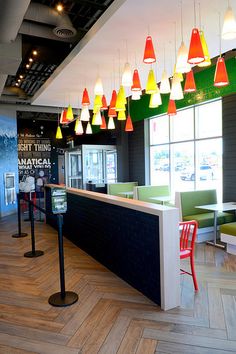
[181, 14]
[219, 32]
[195, 21]
[200, 18]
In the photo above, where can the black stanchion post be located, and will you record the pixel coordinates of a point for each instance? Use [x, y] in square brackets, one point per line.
[19, 234]
[63, 298]
[33, 253]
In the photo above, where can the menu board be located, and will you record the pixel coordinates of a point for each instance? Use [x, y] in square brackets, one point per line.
[34, 162]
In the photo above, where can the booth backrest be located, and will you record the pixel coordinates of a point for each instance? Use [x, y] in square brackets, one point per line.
[191, 199]
[144, 193]
[116, 188]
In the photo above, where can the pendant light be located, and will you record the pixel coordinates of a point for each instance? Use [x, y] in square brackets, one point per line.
[104, 124]
[121, 115]
[98, 88]
[85, 116]
[104, 103]
[89, 129]
[63, 119]
[195, 53]
[127, 79]
[59, 133]
[182, 65]
[221, 76]
[97, 118]
[69, 114]
[79, 127]
[189, 85]
[111, 124]
[155, 100]
[112, 107]
[151, 86]
[129, 124]
[229, 25]
[136, 95]
[207, 61]
[176, 89]
[165, 83]
[85, 98]
[149, 54]
[98, 102]
[171, 111]
[136, 81]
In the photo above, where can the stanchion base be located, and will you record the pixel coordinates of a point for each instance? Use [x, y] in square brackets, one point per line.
[23, 234]
[59, 301]
[218, 245]
[31, 254]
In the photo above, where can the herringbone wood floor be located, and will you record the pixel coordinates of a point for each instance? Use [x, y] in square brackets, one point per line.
[110, 316]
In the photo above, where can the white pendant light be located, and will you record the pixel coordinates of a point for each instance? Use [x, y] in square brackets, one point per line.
[182, 66]
[89, 129]
[136, 95]
[155, 100]
[111, 124]
[85, 116]
[229, 25]
[165, 83]
[79, 128]
[98, 89]
[127, 77]
[97, 119]
[176, 89]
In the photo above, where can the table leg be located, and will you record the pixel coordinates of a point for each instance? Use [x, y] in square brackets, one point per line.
[214, 242]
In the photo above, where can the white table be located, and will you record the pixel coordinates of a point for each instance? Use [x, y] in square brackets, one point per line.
[162, 199]
[215, 208]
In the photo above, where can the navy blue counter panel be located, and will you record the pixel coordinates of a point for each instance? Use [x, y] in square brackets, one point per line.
[126, 241]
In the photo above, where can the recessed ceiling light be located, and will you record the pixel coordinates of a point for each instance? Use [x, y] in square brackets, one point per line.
[19, 80]
[21, 76]
[30, 59]
[59, 7]
[27, 65]
[35, 52]
[16, 84]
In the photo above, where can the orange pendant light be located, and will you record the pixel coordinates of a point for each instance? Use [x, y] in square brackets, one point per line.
[171, 111]
[129, 125]
[189, 85]
[149, 54]
[221, 76]
[112, 107]
[63, 119]
[136, 81]
[85, 98]
[195, 53]
[104, 103]
[104, 124]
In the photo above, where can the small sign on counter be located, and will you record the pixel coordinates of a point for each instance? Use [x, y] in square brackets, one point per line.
[59, 200]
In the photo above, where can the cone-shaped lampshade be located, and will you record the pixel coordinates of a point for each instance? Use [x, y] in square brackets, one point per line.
[151, 86]
[79, 128]
[176, 89]
[98, 101]
[97, 119]
[171, 111]
[85, 116]
[89, 129]
[179, 75]
[136, 81]
[113, 99]
[112, 112]
[58, 133]
[221, 76]
[120, 105]
[121, 115]
[189, 85]
[111, 124]
[165, 83]
[207, 60]
[195, 53]
[69, 114]
[104, 124]
[85, 98]
[182, 65]
[98, 88]
[76, 124]
[136, 95]
[127, 79]
[149, 54]
[129, 124]
[63, 119]
[104, 103]
[155, 100]
[229, 25]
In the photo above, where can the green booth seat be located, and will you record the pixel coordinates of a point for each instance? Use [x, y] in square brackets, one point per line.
[120, 189]
[146, 193]
[228, 235]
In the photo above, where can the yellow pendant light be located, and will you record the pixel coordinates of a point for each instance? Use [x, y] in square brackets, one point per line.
[121, 99]
[59, 133]
[69, 114]
[151, 86]
[97, 118]
[121, 115]
[155, 100]
[207, 60]
[179, 75]
[98, 101]
[79, 127]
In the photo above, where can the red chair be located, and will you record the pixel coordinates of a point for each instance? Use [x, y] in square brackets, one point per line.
[188, 235]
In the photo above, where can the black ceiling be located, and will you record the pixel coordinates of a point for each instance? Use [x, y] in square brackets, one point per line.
[50, 53]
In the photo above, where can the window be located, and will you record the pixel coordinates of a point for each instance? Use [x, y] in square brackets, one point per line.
[186, 149]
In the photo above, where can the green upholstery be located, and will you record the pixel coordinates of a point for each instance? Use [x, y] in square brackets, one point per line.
[228, 229]
[116, 188]
[207, 219]
[145, 193]
[191, 199]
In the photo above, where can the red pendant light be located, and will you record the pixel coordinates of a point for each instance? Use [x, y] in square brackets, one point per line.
[129, 125]
[149, 54]
[85, 98]
[104, 104]
[189, 85]
[63, 119]
[195, 53]
[221, 76]
[136, 81]
[104, 124]
[171, 111]
[112, 107]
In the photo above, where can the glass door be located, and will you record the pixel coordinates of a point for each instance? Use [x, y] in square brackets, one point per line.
[74, 178]
[110, 165]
